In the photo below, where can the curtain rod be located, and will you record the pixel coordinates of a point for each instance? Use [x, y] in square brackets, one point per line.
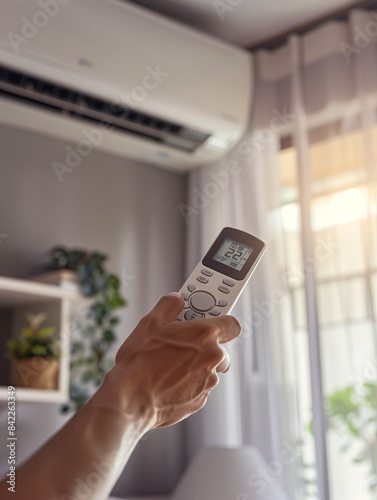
[337, 15]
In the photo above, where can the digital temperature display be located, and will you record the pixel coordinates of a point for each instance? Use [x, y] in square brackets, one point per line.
[233, 254]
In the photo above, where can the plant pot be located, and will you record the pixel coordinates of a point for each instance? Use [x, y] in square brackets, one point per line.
[36, 373]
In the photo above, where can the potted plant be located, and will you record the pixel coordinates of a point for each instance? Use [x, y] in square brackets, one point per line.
[35, 355]
[91, 349]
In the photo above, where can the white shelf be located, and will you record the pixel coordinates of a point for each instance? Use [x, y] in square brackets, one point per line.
[16, 292]
[21, 296]
[34, 395]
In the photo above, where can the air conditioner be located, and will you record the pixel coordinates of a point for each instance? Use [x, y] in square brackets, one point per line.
[131, 82]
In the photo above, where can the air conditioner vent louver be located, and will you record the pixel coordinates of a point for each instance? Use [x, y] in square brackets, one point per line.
[60, 99]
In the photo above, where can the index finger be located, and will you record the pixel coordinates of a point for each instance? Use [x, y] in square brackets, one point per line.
[168, 307]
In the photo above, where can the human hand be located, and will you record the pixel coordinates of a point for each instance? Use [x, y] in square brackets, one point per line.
[168, 368]
[164, 372]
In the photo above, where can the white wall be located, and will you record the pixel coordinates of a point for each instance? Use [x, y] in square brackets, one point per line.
[124, 209]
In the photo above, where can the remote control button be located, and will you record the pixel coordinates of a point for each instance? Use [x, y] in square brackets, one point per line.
[215, 312]
[191, 288]
[228, 282]
[202, 279]
[222, 303]
[206, 272]
[202, 301]
[186, 296]
[224, 289]
[190, 315]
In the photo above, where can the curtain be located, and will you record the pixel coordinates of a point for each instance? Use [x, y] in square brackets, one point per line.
[303, 179]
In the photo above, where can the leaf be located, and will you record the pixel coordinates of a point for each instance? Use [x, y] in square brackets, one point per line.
[54, 349]
[77, 362]
[74, 259]
[359, 459]
[39, 350]
[77, 347]
[113, 281]
[27, 333]
[353, 429]
[86, 376]
[108, 336]
[46, 332]
[117, 302]
[342, 402]
[99, 258]
[311, 426]
[370, 395]
[35, 320]
[58, 258]
[89, 331]
[98, 381]
[98, 355]
[99, 281]
[12, 346]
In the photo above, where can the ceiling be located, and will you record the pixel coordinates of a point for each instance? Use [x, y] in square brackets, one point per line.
[246, 23]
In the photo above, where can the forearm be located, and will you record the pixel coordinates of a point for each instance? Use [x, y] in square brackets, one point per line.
[85, 458]
[164, 372]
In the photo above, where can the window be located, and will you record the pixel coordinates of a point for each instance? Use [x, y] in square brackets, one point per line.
[343, 220]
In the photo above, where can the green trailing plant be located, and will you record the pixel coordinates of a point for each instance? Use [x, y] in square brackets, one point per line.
[34, 341]
[352, 414]
[90, 353]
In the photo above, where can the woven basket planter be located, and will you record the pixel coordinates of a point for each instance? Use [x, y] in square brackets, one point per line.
[36, 373]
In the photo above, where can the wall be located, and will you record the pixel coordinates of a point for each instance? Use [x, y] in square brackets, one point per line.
[124, 209]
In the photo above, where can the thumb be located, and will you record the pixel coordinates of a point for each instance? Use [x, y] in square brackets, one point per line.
[168, 307]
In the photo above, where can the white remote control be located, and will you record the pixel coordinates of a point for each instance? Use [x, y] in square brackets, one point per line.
[218, 280]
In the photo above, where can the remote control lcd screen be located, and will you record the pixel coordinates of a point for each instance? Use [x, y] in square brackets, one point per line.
[233, 254]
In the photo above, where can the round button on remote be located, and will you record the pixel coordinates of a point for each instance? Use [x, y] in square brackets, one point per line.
[202, 301]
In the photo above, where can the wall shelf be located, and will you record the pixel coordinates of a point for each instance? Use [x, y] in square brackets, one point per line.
[17, 298]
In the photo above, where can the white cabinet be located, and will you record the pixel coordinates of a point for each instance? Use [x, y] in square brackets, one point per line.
[17, 298]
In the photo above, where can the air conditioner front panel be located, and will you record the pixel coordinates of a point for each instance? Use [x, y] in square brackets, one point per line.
[120, 44]
[71, 132]
[119, 52]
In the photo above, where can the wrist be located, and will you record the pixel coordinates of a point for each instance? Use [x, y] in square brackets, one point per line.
[121, 394]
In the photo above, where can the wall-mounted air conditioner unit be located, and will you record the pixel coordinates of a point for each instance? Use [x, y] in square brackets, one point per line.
[134, 83]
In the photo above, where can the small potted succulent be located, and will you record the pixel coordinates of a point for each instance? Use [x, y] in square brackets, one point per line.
[35, 355]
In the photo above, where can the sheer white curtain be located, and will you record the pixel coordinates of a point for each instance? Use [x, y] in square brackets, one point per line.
[319, 86]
